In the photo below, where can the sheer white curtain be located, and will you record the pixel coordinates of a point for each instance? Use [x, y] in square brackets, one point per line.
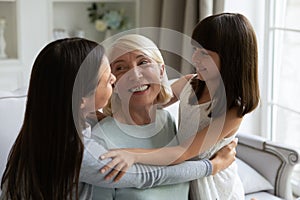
[181, 16]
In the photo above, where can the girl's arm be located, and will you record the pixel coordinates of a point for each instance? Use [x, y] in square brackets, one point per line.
[144, 176]
[204, 139]
[220, 128]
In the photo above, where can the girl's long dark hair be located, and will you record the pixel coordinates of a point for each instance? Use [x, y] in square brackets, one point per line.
[45, 160]
[233, 38]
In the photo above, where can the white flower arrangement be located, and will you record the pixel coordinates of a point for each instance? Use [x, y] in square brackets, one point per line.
[105, 19]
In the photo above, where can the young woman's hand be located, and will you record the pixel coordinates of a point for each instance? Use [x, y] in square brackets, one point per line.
[224, 157]
[121, 161]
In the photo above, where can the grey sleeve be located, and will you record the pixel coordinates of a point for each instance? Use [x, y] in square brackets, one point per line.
[139, 176]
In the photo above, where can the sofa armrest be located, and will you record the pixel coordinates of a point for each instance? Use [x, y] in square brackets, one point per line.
[272, 160]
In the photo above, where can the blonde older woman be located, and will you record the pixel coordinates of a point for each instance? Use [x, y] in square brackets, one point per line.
[133, 118]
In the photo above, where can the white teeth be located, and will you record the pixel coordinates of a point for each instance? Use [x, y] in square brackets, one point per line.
[139, 88]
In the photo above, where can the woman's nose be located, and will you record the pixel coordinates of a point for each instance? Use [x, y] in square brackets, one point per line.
[196, 59]
[135, 73]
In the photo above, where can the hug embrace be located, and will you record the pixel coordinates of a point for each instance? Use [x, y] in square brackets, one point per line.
[56, 154]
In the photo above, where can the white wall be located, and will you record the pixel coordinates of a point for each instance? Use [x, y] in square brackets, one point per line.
[26, 34]
[33, 26]
[254, 10]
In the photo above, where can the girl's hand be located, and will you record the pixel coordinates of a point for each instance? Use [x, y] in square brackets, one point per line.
[121, 161]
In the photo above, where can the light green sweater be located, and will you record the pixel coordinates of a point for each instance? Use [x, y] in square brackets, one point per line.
[113, 134]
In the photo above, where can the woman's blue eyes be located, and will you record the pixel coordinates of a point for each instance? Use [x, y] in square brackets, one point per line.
[124, 67]
[144, 62]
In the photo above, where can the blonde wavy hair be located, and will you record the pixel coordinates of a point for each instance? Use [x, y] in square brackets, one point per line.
[133, 42]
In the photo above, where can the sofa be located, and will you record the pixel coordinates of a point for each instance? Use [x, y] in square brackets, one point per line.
[264, 167]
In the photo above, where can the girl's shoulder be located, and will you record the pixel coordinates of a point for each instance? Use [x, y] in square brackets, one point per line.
[187, 78]
[179, 84]
[190, 76]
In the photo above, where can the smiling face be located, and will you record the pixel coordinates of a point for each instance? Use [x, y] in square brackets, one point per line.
[138, 78]
[207, 64]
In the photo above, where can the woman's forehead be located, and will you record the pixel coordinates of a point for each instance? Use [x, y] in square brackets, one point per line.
[135, 54]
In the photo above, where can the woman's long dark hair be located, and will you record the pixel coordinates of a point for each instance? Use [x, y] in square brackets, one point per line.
[233, 38]
[45, 160]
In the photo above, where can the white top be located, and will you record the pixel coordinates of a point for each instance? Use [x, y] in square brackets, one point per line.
[225, 185]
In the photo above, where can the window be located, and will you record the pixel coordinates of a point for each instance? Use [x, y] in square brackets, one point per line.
[284, 71]
[281, 106]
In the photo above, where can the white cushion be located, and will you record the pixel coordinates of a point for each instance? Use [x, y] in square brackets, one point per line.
[251, 179]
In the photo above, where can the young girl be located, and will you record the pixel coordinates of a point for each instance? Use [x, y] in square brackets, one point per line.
[212, 104]
[53, 156]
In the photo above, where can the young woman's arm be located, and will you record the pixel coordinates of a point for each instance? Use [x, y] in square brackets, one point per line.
[143, 176]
